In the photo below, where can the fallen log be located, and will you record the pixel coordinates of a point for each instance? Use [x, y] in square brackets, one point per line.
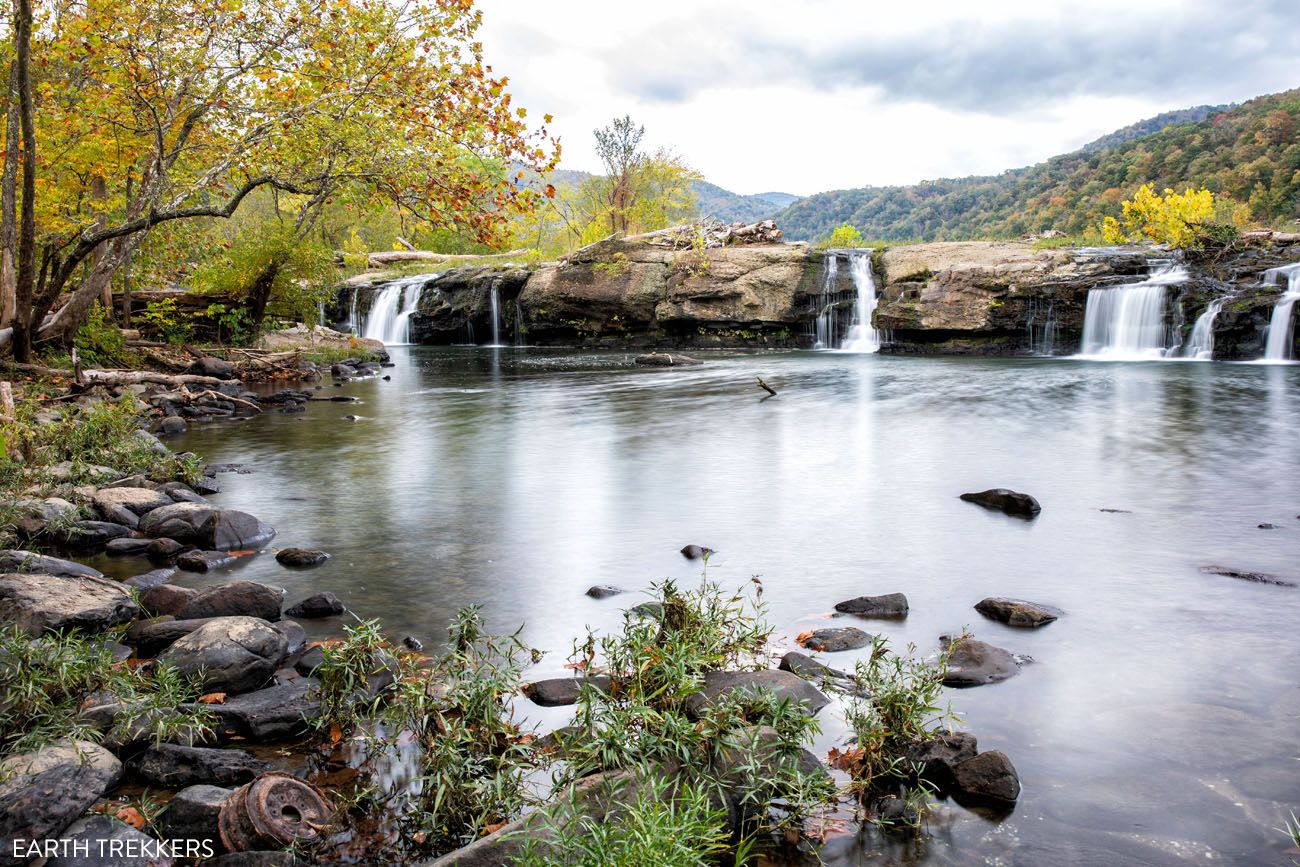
[95, 376]
[389, 257]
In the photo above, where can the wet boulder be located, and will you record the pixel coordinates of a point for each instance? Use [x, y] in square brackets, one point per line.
[975, 663]
[152, 637]
[206, 526]
[128, 546]
[174, 766]
[301, 557]
[42, 793]
[562, 691]
[835, 639]
[91, 535]
[696, 552]
[314, 607]
[100, 841]
[229, 654]
[12, 560]
[886, 606]
[274, 713]
[604, 591]
[234, 599]
[165, 551]
[1005, 500]
[192, 814]
[204, 561]
[940, 754]
[140, 501]
[38, 604]
[987, 779]
[173, 425]
[149, 580]
[1017, 612]
[166, 599]
[781, 684]
[666, 359]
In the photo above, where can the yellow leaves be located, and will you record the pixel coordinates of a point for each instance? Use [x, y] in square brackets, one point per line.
[1171, 219]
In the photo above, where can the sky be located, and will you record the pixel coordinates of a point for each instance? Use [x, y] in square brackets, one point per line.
[800, 97]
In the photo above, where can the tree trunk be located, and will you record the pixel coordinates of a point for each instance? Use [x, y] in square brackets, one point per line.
[9, 203]
[99, 192]
[72, 315]
[26, 274]
[259, 293]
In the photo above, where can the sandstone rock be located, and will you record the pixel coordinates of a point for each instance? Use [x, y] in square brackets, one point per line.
[561, 691]
[989, 778]
[166, 599]
[1017, 612]
[90, 757]
[320, 605]
[301, 557]
[35, 516]
[141, 501]
[229, 654]
[890, 605]
[152, 637]
[782, 684]
[173, 766]
[165, 550]
[56, 603]
[835, 639]
[43, 803]
[975, 663]
[234, 599]
[1004, 500]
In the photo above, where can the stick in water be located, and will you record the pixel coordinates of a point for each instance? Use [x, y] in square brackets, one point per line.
[763, 385]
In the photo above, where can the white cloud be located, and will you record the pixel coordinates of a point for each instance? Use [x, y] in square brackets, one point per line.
[828, 94]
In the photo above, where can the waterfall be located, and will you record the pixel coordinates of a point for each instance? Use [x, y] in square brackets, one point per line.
[496, 315]
[1200, 345]
[1040, 326]
[1281, 328]
[1127, 323]
[863, 337]
[519, 323]
[389, 319]
[352, 312]
[826, 318]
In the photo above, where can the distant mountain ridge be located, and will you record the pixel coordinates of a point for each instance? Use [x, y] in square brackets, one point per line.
[714, 201]
[1249, 152]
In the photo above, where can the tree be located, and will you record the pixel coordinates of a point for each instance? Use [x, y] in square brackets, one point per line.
[845, 236]
[1174, 219]
[618, 146]
[161, 112]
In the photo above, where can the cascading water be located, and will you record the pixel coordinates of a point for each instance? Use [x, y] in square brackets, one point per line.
[519, 323]
[1040, 325]
[827, 318]
[1281, 328]
[352, 311]
[863, 337]
[389, 319]
[1127, 323]
[496, 315]
[1200, 346]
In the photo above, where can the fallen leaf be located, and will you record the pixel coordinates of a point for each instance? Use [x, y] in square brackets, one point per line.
[213, 698]
[336, 733]
[132, 817]
[493, 827]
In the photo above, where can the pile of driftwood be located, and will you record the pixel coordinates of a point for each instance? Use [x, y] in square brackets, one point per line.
[713, 234]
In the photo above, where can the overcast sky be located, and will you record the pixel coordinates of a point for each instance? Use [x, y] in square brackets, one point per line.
[815, 95]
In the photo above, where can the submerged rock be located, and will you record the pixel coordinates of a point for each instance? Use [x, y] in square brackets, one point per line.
[562, 691]
[782, 684]
[988, 779]
[320, 605]
[1004, 500]
[37, 604]
[301, 557]
[1017, 612]
[975, 663]
[151, 579]
[696, 552]
[604, 591]
[1243, 575]
[835, 639]
[666, 359]
[204, 561]
[890, 605]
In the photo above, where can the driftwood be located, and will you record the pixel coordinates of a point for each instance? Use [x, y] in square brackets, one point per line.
[216, 395]
[763, 385]
[389, 257]
[95, 376]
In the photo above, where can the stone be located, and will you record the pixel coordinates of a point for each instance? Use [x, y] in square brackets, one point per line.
[207, 526]
[174, 766]
[301, 557]
[152, 637]
[86, 755]
[165, 550]
[152, 441]
[1017, 612]
[100, 841]
[604, 591]
[229, 654]
[562, 691]
[91, 535]
[666, 359]
[890, 605]
[141, 501]
[35, 516]
[204, 561]
[274, 713]
[166, 599]
[1004, 500]
[211, 366]
[37, 604]
[810, 669]
[975, 663]
[1268, 526]
[835, 639]
[42, 793]
[989, 779]
[745, 764]
[294, 634]
[782, 684]
[696, 552]
[1244, 575]
[184, 495]
[173, 425]
[128, 546]
[192, 813]
[234, 599]
[12, 560]
[149, 580]
[311, 660]
[940, 754]
[256, 859]
[320, 605]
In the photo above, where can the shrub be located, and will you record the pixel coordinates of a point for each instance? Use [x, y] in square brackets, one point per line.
[1173, 219]
[843, 236]
[100, 343]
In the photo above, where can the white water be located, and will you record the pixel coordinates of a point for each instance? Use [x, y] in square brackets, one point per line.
[827, 317]
[496, 316]
[389, 319]
[1282, 326]
[1200, 346]
[863, 337]
[1040, 325]
[1127, 323]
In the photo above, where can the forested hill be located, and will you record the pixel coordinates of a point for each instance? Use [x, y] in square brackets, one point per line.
[1249, 152]
[711, 199]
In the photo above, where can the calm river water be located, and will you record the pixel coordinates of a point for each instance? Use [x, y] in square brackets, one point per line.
[1160, 720]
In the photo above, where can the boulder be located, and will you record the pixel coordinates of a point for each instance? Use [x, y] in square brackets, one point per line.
[1017, 612]
[320, 605]
[274, 713]
[38, 564]
[151, 441]
[940, 754]
[666, 359]
[173, 766]
[100, 841]
[835, 639]
[989, 779]
[746, 763]
[975, 663]
[192, 813]
[173, 425]
[35, 516]
[307, 664]
[91, 535]
[165, 551]
[206, 526]
[696, 552]
[810, 669]
[43, 803]
[294, 634]
[141, 501]
[85, 755]
[781, 684]
[561, 691]
[211, 366]
[166, 599]
[604, 591]
[149, 580]
[301, 557]
[152, 637]
[234, 599]
[1004, 500]
[890, 605]
[204, 561]
[57, 603]
[128, 546]
[179, 521]
[229, 654]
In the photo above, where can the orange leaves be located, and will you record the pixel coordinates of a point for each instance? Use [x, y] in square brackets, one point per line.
[213, 698]
[550, 191]
[122, 812]
[805, 639]
[849, 760]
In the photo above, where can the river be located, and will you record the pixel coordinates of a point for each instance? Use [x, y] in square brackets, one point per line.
[1159, 722]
